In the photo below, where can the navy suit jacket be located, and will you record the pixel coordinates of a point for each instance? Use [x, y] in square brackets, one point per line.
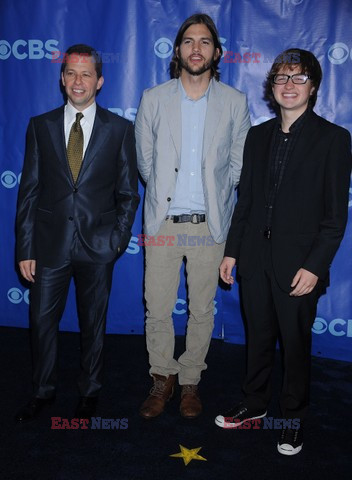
[100, 207]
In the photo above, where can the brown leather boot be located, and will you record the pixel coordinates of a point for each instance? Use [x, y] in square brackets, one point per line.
[191, 405]
[160, 393]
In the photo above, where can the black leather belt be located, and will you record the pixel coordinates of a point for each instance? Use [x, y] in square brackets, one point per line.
[193, 218]
[267, 233]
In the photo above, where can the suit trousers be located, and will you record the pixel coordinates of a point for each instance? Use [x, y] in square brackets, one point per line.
[271, 313]
[47, 302]
[194, 243]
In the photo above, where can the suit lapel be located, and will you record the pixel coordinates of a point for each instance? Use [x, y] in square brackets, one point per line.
[212, 119]
[98, 137]
[266, 146]
[56, 130]
[99, 134]
[173, 115]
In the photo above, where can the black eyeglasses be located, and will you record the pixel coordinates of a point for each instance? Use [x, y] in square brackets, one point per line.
[298, 78]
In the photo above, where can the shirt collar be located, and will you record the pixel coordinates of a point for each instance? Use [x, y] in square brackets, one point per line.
[186, 97]
[88, 113]
[297, 124]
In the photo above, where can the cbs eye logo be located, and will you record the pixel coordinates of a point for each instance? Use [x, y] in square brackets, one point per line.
[9, 179]
[16, 296]
[320, 326]
[5, 49]
[338, 53]
[163, 47]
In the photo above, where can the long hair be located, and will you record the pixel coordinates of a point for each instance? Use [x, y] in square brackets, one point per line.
[198, 18]
[290, 59]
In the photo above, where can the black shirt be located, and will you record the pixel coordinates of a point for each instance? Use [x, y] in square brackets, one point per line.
[282, 145]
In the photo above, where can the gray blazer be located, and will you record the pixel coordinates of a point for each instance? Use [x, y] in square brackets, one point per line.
[158, 137]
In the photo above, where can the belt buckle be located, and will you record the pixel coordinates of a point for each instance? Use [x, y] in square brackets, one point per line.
[194, 218]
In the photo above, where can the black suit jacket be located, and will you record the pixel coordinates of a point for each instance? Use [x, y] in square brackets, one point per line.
[100, 207]
[311, 207]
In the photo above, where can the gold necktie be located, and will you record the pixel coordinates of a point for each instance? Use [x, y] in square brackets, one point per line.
[75, 147]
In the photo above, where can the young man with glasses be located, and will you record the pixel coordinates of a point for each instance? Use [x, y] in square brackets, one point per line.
[285, 230]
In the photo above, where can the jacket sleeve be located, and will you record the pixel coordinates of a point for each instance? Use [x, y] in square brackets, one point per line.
[28, 196]
[336, 191]
[144, 138]
[242, 208]
[126, 190]
[241, 126]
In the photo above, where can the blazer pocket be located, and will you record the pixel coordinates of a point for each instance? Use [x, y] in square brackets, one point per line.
[43, 215]
[108, 217]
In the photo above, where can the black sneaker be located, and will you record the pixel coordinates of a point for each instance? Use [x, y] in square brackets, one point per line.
[236, 416]
[291, 441]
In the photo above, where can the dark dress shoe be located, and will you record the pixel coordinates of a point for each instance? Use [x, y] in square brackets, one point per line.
[86, 407]
[190, 406]
[30, 411]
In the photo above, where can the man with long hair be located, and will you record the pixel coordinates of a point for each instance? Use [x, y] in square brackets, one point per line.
[190, 133]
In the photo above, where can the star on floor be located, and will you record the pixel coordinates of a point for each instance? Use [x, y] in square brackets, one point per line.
[188, 454]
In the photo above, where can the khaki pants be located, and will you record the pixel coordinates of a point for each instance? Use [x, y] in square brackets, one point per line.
[162, 277]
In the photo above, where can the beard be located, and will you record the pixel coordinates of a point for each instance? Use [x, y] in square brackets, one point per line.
[196, 71]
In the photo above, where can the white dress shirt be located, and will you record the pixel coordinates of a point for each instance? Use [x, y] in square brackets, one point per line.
[87, 122]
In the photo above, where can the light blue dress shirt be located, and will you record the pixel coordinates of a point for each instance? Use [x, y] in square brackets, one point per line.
[189, 194]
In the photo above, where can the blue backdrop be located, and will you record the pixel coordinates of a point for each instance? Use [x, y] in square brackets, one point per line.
[135, 39]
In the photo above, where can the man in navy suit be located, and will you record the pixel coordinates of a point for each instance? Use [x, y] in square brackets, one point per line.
[286, 228]
[76, 206]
